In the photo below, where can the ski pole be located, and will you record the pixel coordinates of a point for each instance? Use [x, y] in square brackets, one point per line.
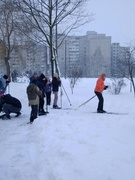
[66, 94]
[46, 105]
[61, 93]
[87, 101]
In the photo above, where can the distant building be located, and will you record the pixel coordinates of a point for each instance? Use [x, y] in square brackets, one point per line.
[90, 53]
[27, 57]
[68, 55]
[118, 53]
[98, 54]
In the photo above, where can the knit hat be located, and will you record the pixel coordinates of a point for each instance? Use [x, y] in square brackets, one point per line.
[35, 74]
[5, 76]
[103, 75]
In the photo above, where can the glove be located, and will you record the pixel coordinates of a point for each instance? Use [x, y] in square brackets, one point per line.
[105, 87]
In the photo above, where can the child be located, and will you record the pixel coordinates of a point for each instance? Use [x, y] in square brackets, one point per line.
[56, 83]
[48, 90]
[33, 94]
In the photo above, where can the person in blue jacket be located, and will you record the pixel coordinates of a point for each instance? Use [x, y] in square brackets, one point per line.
[34, 78]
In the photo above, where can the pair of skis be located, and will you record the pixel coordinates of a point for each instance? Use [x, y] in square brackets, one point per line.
[115, 113]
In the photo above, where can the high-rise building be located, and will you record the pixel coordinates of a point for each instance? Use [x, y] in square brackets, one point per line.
[118, 54]
[90, 53]
[27, 57]
[98, 57]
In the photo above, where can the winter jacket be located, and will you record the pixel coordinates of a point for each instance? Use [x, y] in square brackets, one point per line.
[33, 94]
[100, 85]
[41, 84]
[8, 99]
[48, 87]
[34, 79]
[55, 84]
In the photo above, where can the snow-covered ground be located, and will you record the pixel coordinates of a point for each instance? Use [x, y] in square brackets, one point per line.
[70, 144]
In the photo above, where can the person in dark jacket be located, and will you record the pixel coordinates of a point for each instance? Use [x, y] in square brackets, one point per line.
[33, 94]
[34, 78]
[41, 84]
[56, 83]
[11, 105]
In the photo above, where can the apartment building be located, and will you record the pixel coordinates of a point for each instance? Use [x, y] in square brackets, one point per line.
[118, 54]
[68, 55]
[27, 57]
[90, 53]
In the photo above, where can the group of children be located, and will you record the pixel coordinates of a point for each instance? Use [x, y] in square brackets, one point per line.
[39, 88]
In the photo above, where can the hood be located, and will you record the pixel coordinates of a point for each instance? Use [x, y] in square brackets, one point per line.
[30, 88]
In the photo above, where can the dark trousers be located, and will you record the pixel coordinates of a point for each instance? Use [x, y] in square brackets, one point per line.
[48, 98]
[8, 108]
[41, 104]
[34, 111]
[101, 101]
[0, 105]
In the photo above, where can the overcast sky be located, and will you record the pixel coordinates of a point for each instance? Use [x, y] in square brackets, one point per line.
[115, 18]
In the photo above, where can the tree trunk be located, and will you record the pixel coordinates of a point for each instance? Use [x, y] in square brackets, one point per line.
[7, 66]
[133, 84]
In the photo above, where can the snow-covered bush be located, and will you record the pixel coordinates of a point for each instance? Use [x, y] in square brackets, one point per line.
[116, 85]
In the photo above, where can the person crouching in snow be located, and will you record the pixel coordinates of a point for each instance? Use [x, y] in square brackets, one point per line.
[100, 86]
[10, 105]
[33, 94]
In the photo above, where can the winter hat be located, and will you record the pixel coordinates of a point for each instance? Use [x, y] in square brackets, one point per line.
[103, 75]
[5, 76]
[42, 76]
[56, 75]
[35, 74]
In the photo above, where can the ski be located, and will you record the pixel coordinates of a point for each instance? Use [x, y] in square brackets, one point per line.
[57, 108]
[115, 113]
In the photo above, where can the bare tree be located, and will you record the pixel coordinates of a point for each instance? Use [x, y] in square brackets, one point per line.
[7, 28]
[126, 65]
[74, 75]
[117, 85]
[50, 17]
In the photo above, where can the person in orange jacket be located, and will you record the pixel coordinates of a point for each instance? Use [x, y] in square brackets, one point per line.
[100, 86]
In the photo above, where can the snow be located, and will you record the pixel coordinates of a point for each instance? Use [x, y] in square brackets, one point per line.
[70, 144]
